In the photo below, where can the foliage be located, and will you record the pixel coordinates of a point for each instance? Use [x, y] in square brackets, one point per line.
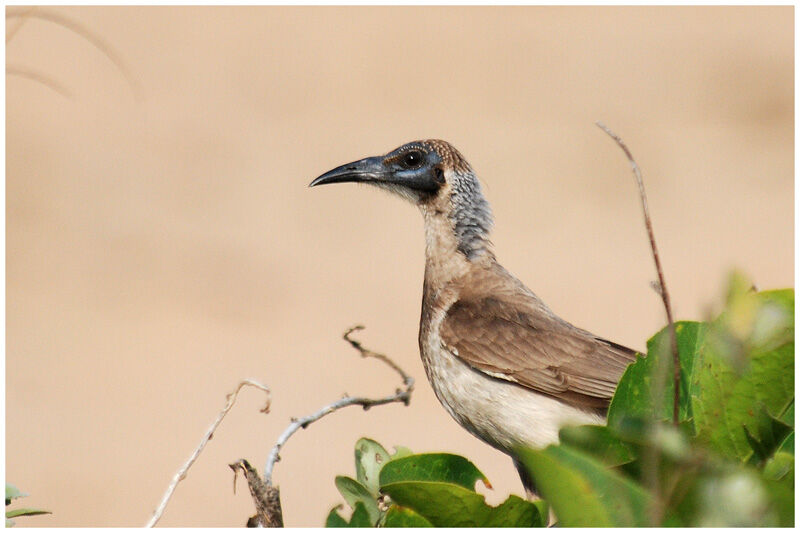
[423, 490]
[13, 493]
[729, 462]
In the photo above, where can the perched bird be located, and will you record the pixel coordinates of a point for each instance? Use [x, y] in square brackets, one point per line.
[500, 361]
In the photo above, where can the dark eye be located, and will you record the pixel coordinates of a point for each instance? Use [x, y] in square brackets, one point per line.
[412, 159]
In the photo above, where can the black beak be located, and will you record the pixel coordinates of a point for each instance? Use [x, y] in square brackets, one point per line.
[369, 169]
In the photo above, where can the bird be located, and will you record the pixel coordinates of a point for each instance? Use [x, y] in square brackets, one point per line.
[504, 366]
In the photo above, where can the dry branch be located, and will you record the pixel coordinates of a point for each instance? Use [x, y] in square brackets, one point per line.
[39, 77]
[21, 20]
[181, 474]
[266, 497]
[661, 287]
[78, 28]
[401, 395]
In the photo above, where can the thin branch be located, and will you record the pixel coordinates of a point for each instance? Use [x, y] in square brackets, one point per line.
[400, 396]
[662, 286]
[76, 27]
[23, 18]
[408, 381]
[40, 77]
[181, 474]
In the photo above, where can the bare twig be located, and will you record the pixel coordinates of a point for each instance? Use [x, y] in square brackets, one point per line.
[662, 286]
[97, 41]
[40, 77]
[181, 474]
[23, 18]
[408, 381]
[267, 497]
[400, 396]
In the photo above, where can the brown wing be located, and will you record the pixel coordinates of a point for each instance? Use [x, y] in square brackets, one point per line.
[517, 341]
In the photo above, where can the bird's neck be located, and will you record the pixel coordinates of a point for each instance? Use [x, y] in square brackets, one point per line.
[457, 225]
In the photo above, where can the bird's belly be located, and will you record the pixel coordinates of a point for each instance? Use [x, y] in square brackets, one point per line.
[501, 413]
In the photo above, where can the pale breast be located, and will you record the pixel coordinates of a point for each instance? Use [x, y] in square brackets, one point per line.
[500, 413]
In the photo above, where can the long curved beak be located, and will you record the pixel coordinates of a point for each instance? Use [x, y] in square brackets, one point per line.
[369, 169]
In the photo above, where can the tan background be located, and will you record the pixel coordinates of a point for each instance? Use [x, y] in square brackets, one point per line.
[157, 252]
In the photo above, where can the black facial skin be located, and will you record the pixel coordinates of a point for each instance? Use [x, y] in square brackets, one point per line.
[412, 167]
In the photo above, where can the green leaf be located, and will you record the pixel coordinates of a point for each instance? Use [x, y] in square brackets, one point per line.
[788, 444]
[583, 492]
[370, 458]
[360, 518]
[12, 493]
[768, 437]
[598, 441]
[788, 414]
[398, 516]
[759, 385]
[747, 361]
[443, 467]
[543, 508]
[354, 493]
[773, 325]
[780, 467]
[781, 502]
[335, 519]
[440, 487]
[401, 451]
[635, 393]
[516, 512]
[451, 505]
[442, 504]
[715, 384]
[25, 512]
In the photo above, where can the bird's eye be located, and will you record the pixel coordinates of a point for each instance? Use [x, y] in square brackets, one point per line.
[412, 159]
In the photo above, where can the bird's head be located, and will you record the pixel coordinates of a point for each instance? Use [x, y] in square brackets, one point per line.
[415, 171]
[433, 175]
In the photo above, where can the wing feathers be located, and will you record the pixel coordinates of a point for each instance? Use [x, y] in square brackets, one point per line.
[515, 337]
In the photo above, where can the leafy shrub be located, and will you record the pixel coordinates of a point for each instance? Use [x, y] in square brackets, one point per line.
[729, 461]
[418, 490]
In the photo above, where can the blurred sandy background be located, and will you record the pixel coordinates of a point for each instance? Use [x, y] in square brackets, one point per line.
[158, 252]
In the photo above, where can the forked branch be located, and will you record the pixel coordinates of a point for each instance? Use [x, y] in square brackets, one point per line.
[401, 395]
[265, 495]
